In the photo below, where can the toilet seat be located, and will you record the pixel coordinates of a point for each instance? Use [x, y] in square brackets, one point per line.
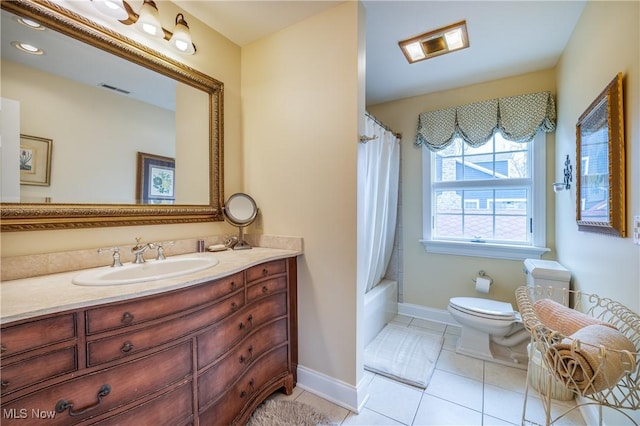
[484, 308]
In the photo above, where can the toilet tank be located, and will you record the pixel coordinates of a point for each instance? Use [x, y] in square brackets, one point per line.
[548, 273]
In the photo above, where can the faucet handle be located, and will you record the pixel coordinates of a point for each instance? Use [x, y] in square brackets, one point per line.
[116, 255]
[160, 248]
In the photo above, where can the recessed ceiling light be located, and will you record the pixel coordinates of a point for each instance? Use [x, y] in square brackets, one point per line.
[435, 43]
[31, 23]
[27, 48]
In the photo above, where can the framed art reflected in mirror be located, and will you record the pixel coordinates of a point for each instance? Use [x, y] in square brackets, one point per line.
[155, 179]
[35, 160]
[600, 164]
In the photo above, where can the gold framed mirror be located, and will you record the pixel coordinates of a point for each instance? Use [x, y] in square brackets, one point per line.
[600, 164]
[55, 213]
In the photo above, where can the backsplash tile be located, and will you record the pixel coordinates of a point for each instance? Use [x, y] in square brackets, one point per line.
[34, 265]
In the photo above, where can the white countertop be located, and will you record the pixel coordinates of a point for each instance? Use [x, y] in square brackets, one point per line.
[29, 297]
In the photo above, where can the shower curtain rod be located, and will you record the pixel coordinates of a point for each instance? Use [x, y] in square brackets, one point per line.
[365, 139]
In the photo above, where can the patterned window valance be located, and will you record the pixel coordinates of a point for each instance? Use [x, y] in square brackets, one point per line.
[518, 118]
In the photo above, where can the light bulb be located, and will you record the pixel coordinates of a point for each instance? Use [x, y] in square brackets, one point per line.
[113, 8]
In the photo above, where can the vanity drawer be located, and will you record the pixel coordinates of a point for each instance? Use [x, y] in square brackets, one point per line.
[129, 343]
[216, 379]
[35, 334]
[128, 313]
[173, 408]
[228, 408]
[215, 342]
[99, 392]
[37, 369]
[266, 270]
[266, 287]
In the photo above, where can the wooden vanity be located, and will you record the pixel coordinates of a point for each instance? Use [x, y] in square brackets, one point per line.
[204, 354]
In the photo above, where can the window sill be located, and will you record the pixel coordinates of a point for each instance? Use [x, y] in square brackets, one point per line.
[496, 251]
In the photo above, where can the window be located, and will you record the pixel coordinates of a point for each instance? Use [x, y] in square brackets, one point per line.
[485, 201]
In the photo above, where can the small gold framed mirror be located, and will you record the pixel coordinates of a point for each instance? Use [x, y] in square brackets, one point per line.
[600, 164]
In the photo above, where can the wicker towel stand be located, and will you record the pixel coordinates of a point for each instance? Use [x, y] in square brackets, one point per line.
[598, 371]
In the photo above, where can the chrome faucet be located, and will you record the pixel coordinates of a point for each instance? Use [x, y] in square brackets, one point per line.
[160, 248]
[116, 255]
[139, 249]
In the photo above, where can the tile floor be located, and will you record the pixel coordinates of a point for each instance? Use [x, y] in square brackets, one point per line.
[462, 391]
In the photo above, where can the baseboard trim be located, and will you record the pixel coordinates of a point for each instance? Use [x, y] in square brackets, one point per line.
[351, 397]
[426, 313]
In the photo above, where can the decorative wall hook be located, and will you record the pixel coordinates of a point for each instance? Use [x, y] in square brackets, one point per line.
[568, 176]
[568, 173]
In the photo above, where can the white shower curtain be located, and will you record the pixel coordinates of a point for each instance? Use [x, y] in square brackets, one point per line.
[378, 175]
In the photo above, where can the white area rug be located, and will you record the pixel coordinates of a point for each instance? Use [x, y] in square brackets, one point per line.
[287, 413]
[404, 354]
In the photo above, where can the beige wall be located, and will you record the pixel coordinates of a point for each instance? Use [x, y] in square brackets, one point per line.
[300, 126]
[432, 279]
[217, 57]
[83, 158]
[600, 264]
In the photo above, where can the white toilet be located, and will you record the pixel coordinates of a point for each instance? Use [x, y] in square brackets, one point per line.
[486, 323]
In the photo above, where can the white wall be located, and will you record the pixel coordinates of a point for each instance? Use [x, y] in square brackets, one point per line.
[604, 42]
[432, 279]
[301, 108]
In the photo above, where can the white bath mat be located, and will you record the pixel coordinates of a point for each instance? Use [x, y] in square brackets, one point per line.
[404, 354]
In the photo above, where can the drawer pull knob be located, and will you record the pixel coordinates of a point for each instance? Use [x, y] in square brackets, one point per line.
[127, 318]
[127, 347]
[265, 272]
[242, 325]
[233, 285]
[63, 404]
[4, 385]
[234, 306]
[3, 349]
[248, 392]
[247, 360]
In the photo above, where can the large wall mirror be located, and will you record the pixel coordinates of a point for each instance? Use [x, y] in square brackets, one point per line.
[102, 99]
[600, 165]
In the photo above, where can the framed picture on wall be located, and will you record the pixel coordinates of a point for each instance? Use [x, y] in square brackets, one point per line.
[35, 160]
[155, 179]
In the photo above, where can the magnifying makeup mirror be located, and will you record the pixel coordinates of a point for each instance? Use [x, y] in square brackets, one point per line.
[240, 210]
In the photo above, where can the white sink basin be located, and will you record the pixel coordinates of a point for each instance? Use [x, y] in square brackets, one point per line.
[149, 271]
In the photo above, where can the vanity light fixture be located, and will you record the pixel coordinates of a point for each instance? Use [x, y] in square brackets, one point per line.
[181, 38]
[147, 21]
[435, 43]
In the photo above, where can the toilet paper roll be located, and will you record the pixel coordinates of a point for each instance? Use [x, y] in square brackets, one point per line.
[483, 284]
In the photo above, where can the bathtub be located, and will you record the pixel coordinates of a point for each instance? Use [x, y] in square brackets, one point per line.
[380, 306]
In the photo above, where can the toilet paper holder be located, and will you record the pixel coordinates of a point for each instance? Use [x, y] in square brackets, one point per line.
[482, 274]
